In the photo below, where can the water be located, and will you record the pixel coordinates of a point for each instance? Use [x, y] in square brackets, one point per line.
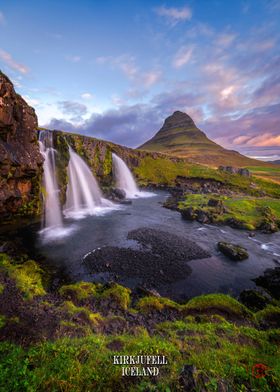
[52, 217]
[125, 181]
[83, 196]
[215, 274]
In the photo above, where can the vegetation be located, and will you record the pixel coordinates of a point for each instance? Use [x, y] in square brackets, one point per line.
[221, 337]
[251, 213]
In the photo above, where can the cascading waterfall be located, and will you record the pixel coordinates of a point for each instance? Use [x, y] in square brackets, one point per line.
[125, 181]
[83, 196]
[124, 178]
[52, 217]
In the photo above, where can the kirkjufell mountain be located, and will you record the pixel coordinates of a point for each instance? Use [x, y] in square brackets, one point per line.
[180, 136]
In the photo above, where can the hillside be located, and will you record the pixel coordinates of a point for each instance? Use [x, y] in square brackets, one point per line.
[180, 136]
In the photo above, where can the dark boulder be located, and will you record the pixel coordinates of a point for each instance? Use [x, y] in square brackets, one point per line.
[234, 252]
[118, 193]
[188, 213]
[270, 281]
[235, 170]
[253, 299]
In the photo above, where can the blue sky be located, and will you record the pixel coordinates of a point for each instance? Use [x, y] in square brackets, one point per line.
[116, 69]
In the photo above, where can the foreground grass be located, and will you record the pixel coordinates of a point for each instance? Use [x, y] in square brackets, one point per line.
[220, 350]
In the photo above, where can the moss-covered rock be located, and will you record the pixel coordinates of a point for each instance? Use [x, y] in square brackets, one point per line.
[28, 276]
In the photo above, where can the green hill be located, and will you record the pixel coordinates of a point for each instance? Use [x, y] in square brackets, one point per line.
[180, 136]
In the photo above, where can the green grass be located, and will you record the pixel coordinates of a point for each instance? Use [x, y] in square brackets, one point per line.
[247, 210]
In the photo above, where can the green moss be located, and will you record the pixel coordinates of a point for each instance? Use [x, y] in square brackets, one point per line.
[268, 313]
[219, 302]
[92, 318]
[107, 164]
[28, 276]
[118, 294]
[148, 304]
[2, 287]
[79, 290]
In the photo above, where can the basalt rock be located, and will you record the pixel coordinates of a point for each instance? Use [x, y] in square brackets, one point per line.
[20, 158]
[270, 281]
[235, 170]
[234, 252]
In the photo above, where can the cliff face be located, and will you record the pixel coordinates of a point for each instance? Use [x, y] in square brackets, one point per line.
[20, 158]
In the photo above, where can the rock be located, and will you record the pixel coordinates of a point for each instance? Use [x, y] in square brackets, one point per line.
[253, 299]
[234, 252]
[235, 170]
[125, 202]
[244, 172]
[215, 203]
[144, 291]
[118, 193]
[203, 217]
[270, 281]
[21, 161]
[190, 380]
[188, 213]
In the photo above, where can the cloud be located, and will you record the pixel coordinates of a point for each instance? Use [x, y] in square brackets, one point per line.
[182, 57]
[31, 101]
[74, 109]
[11, 63]
[87, 96]
[174, 15]
[151, 78]
[2, 19]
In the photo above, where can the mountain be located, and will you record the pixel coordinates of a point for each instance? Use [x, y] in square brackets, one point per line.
[277, 162]
[180, 136]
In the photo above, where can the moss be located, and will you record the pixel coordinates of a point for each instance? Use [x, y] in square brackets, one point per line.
[118, 294]
[107, 164]
[79, 290]
[269, 313]
[92, 318]
[2, 321]
[28, 276]
[218, 302]
[2, 288]
[148, 304]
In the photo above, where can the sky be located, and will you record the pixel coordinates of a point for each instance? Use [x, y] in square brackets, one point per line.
[116, 69]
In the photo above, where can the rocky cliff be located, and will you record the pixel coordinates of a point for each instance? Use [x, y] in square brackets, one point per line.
[20, 159]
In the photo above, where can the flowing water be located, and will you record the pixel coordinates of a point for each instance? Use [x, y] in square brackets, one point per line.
[52, 216]
[125, 181]
[214, 274]
[83, 196]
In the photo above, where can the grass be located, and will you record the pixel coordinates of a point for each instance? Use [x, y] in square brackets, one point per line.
[247, 210]
[221, 351]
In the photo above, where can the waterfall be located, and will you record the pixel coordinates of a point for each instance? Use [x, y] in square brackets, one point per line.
[83, 195]
[125, 181]
[124, 178]
[52, 217]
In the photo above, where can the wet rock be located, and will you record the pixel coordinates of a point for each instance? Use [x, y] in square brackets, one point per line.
[21, 161]
[253, 299]
[188, 213]
[118, 193]
[234, 252]
[270, 281]
[203, 217]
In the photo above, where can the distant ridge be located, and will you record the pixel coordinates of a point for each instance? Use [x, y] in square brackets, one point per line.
[180, 136]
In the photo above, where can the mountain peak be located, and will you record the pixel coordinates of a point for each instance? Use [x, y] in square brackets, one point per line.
[177, 120]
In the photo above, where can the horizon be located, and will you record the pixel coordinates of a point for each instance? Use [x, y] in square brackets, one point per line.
[115, 71]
